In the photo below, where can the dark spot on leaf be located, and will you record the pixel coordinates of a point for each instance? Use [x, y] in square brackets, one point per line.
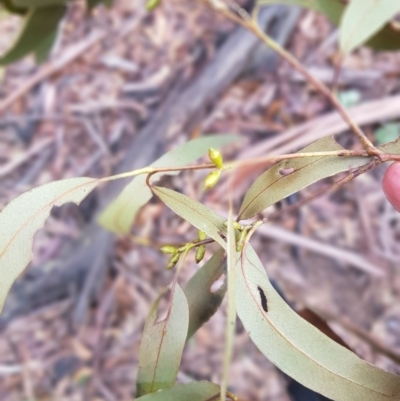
[286, 171]
[264, 303]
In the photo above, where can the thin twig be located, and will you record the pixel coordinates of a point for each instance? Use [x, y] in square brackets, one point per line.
[251, 24]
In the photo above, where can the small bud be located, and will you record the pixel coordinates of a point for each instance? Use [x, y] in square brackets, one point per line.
[212, 179]
[200, 252]
[169, 249]
[152, 4]
[216, 157]
[236, 225]
[173, 260]
[202, 235]
[240, 242]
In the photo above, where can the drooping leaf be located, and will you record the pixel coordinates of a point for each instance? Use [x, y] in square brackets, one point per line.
[362, 19]
[298, 348]
[274, 184]
[194, 391]
[40, 25]
[26, 214]
[120, 214]
[203, 303]
[194, 212]
[162, 345]
[43, 50]
[231, 312]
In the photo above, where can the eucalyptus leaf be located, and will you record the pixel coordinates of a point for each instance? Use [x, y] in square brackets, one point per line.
[194, 212]
[364, 18]
[120, 214]
[43, 50]
[273, 185]
[203, 302]
[162, 345]
[40, 25]
[26, 214]
[194, 391]
[298, 348]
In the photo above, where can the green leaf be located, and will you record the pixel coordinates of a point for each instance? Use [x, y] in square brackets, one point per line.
[388, 132]
[121, 213]
[231, 313]
[162, 345]
[273, 186]
[298, 348]
[391, 147]
[194, 391]
[43, 50]
[26, 214]
[388, 38]
[362, 19]
[40, 25]
[203, 303]
[93, 3]
[9, 6]
[194, 212]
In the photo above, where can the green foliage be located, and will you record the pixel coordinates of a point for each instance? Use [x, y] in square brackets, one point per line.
[298, 348]
[203, 303]
[357, 21]
[195, 391]
[287, 340]
[37, 33]
[364, 18]
[291, 175]
[162, 345]
[121, 213]
[26, 214]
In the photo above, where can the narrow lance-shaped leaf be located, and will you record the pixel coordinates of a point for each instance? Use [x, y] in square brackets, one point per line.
[194, 212]
[120, 214]
[362, 19]
[275, 184]
[162, 345]
[231, 313]
[203, 303]
[39, 25]
[299, 349]
[194, 391]
[26, 214]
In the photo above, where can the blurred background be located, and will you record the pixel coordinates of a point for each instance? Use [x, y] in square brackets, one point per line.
[121, 87]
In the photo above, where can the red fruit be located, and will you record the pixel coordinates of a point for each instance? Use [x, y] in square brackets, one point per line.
[391, 185]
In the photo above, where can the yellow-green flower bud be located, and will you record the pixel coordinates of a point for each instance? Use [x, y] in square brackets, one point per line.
[202, 235]
[240, 242]
[212, 179]
[216, 157]
[173, 260]
[152, 4]
[236, 225]
[169, 249]
[200, 252]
